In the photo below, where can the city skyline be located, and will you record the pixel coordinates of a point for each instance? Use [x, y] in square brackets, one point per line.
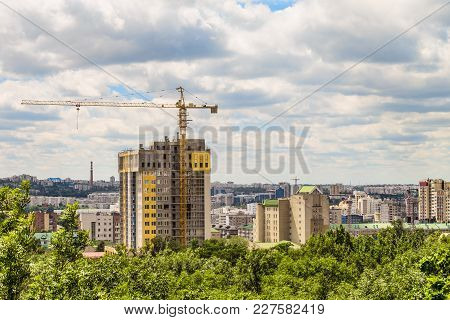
[385, 121]
[262, 181]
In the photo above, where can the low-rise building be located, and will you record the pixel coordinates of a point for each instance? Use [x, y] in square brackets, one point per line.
[352, 219]
[224, 232]
[44, 238]
[102, 224]
[99, 223]
[246, 232]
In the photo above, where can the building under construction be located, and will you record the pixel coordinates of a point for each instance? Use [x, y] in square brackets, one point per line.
[164, 189]
[150, 192]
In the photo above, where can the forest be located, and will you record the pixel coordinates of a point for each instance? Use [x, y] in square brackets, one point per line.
[395, 264]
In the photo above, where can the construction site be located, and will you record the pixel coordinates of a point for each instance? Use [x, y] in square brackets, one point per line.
[165, 186]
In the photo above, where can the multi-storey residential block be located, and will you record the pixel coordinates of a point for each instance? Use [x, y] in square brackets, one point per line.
[434, 200]
[411, 207]
[389, 211]
[150, 192]
[335, 215]
[45, 221]
[336, 189]
[294, 219]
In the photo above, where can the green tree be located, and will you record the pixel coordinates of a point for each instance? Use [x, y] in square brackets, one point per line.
[68, 242]
[16, 240]
[100, 246]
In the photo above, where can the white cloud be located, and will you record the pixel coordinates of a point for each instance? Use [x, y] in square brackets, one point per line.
[378, 123]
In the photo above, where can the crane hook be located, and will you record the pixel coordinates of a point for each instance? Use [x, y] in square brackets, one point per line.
[78, 113]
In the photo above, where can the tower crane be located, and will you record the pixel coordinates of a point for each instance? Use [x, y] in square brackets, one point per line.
[182, 126]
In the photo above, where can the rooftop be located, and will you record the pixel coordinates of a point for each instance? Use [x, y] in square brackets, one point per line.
[270, 203]
[307, 189]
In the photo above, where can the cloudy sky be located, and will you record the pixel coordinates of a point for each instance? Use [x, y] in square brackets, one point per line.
[387, 120]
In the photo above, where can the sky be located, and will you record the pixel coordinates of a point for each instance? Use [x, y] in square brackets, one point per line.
[385, 120]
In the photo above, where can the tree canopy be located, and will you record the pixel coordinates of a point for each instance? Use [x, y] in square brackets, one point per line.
[395, 264]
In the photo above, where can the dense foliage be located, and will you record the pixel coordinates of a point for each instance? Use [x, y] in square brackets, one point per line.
[396, 264]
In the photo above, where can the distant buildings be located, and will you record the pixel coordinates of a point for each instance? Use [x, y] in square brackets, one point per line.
[286, 189]
[97, 200]
[434, 200]
[229, 216]
[51, 201]
[293, 219]
[336, 189]
[222, 199]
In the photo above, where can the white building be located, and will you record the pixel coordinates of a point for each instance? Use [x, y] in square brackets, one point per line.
[100, 223]
[229, 216]
[251, 208]
[51, 201]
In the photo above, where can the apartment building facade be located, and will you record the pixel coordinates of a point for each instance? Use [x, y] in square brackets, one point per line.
[434, 200]
[45, 221]
[98, 222]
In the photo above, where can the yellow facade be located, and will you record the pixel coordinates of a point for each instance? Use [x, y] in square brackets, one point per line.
[148, 205]
[201, 161]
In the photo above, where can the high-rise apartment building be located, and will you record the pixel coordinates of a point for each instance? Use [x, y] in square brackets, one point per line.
[434, 200]
[293, 219]
[150, 192]
[389, 211]
[411, 207]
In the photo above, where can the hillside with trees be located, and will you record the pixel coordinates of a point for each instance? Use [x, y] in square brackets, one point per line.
[395, 264]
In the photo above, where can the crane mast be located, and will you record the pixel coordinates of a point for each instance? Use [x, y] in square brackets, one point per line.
[182, 124]
[182, 127]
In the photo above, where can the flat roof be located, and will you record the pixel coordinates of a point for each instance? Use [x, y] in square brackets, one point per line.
[270, 203]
